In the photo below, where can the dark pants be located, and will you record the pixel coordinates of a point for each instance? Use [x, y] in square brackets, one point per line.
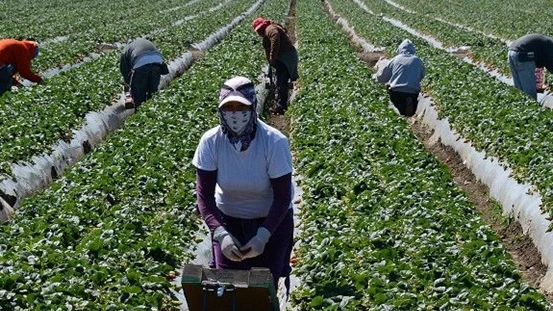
[144, 82]
[276, 255]
[282, 80]
[6, 78]
[406, 103]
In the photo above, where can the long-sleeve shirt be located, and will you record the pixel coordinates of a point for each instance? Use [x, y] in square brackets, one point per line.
[251, 184]
[276, 42]
[541, 45]
[205, 192]
[139, 52]
[20, 55]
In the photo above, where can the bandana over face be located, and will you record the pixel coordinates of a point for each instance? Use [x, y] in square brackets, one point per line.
[239, 126]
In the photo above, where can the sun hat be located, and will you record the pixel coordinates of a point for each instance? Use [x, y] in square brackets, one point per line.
[239, 89]
[259, 23]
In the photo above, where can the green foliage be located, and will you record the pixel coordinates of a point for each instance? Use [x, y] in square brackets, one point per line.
[383, 225]
[105, 235]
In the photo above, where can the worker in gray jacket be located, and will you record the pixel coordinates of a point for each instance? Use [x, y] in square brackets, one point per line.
[141, 66]
[525, 55]
[402, 75]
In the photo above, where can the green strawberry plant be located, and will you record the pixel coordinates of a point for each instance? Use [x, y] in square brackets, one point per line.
[496, 118]
[38, 117]
[105, 235]
[383, 225]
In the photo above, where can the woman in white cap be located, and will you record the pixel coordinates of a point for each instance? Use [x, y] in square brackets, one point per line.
[244, 185]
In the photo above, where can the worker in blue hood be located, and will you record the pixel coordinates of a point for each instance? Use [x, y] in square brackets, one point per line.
[402, 75]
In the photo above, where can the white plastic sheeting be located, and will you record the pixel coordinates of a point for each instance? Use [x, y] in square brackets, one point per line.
[6, 211]
[507, 42]
[30, 177]
[179, 7]
[349, 30]
[515, 198]
[187, 18]
[54, 40]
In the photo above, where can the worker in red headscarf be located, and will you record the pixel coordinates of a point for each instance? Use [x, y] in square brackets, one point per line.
[16, 57]
[281, 55]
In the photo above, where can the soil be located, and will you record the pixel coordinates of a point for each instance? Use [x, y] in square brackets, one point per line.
[370, 58]
[196, 54]
[291, 22]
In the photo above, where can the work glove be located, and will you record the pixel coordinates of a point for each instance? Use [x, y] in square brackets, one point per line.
[256, 245]
[229, 244]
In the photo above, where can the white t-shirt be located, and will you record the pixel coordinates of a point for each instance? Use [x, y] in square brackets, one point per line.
[243, 178]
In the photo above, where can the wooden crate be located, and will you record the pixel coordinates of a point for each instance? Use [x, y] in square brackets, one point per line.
[253, 290]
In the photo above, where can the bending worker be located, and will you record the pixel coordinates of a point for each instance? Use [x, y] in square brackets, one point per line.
[525, 55]
[403, 75]
[281, 54]
[244, 185]
[16, 57]
[141, 66]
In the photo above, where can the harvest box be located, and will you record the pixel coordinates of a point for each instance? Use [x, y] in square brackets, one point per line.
[221, 289]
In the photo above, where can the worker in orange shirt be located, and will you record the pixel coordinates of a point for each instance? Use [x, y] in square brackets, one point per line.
[16, 57]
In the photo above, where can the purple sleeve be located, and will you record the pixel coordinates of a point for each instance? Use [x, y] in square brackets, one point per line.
[282, 197]
[205, 193]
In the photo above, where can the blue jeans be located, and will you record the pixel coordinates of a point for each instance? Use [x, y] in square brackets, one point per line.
[524, 74]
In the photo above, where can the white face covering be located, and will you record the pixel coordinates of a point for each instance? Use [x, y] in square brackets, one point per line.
[237, 120]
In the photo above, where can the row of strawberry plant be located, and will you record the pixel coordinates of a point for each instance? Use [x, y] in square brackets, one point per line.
[105, 235]
[503, 18]
[483, 49]
[146, 19]
[44, 20]
[40, 116]
[496, 118]
[384, 226]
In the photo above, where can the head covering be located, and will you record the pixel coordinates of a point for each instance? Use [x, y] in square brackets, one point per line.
[406, 47]
[260, 23]
[242, 90]
[238, 89]
[37, 50]
[32, 47]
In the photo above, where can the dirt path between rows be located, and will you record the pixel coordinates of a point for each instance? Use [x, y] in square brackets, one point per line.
[520, 246]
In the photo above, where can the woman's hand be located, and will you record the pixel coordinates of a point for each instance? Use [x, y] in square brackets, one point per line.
[229, 245]
[256, 245]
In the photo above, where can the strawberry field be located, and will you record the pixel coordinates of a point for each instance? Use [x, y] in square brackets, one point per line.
[383, 224]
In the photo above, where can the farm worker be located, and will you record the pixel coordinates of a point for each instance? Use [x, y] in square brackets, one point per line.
[244, 185]
[403, 74]
[141, 66]
[281, 55]
[525, 55]
[16, 57]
